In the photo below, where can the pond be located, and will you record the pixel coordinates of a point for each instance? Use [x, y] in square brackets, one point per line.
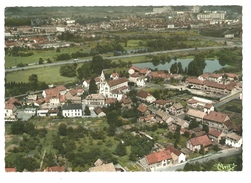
[212, 65]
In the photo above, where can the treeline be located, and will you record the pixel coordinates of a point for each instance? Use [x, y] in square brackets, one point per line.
[17, 21]
[213, 32]
[17, 51]
[67, 36]
[17, 88]
[167, 44]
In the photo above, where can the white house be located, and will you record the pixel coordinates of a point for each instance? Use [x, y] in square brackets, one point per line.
[42, 112]
[30, 110]
[10, 112]
[208, 108]
[233, 140]
[71, 110]
[145, 96]
[177, 156]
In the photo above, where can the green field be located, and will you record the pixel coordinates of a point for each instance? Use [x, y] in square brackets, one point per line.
[50, 75]
[44, 54]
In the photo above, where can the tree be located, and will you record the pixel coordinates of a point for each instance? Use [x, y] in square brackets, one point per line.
[120, 150]
[205, 128]
[180, 69]
[58, 50]
[33, 78]
[202, 150]
[68, 70]
[17, 127]
[196, 67]
[41, 61]
[174, 68]
[87, 111]
[93, 87]
[29, 128]
[62, 129]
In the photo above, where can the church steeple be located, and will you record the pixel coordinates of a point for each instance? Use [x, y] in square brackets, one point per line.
[102, 76]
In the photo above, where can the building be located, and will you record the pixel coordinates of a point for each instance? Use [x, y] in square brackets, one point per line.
[233, 140]
[215, 135]
[145, 96]
[114, 88]
[195, 143]
[103, 168]
[99, 112]
[195, 114]
[94, 100]
[71, 110]
[218, 121]
[55, 95]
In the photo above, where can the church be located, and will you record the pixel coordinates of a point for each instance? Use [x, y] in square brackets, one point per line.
[114, 88]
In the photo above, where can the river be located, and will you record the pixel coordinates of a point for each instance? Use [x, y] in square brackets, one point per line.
[212, 65]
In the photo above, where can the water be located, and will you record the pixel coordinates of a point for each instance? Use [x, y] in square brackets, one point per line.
[212, 65]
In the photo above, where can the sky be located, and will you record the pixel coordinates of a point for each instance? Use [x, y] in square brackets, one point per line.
[140, 177]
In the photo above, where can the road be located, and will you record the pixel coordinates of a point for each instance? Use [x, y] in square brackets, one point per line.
[223, 153]
[112, 57]
[234, 96]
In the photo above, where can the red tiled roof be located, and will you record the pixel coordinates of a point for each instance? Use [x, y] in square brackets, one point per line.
[119, 89]
[117, 81]
[110, 100]
[192, 101]
[143, 94]
[228, 124]
[13, 100]
[216, 117]
[208, 106]
[231, 75]
[214, 133]
[142, 108]
[161, 102]
[98, 110]
[115, 74]
[10, 170]
[9, 106]
[126, 101]
[173, 150]
[158, 156]
[136, 74]
[201, 140]
[135, 68]
[143, 70]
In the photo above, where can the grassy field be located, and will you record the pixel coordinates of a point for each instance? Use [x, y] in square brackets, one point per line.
[50, 75]
[44, 54]
[235, 116]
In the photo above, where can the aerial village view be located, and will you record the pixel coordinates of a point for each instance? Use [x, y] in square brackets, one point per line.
[123, 89]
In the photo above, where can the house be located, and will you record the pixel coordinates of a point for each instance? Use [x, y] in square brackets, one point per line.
[192, 103]
[208, 108]
[133, 69]
[39, 102]
[143, 110]
[109, 101]
[195, 114]
[114, 76]
[148, 119]
[74, 96]
[158, 159]
[94, 100]
[55, 169]
[162, 103]
[30, 99]
[145, 96]
[30, 110]
[215, 135]
[14, 101]
[195, 143]
[126, 103]
[72, 110]
[163, 117]
[10, 112]
[99, 112]
[218, 121]
[233, 140]
[114, 88]
[176, 109]
[103, 168]
[180, 122]
[55, 95]
[42, 112]
[177, 156]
